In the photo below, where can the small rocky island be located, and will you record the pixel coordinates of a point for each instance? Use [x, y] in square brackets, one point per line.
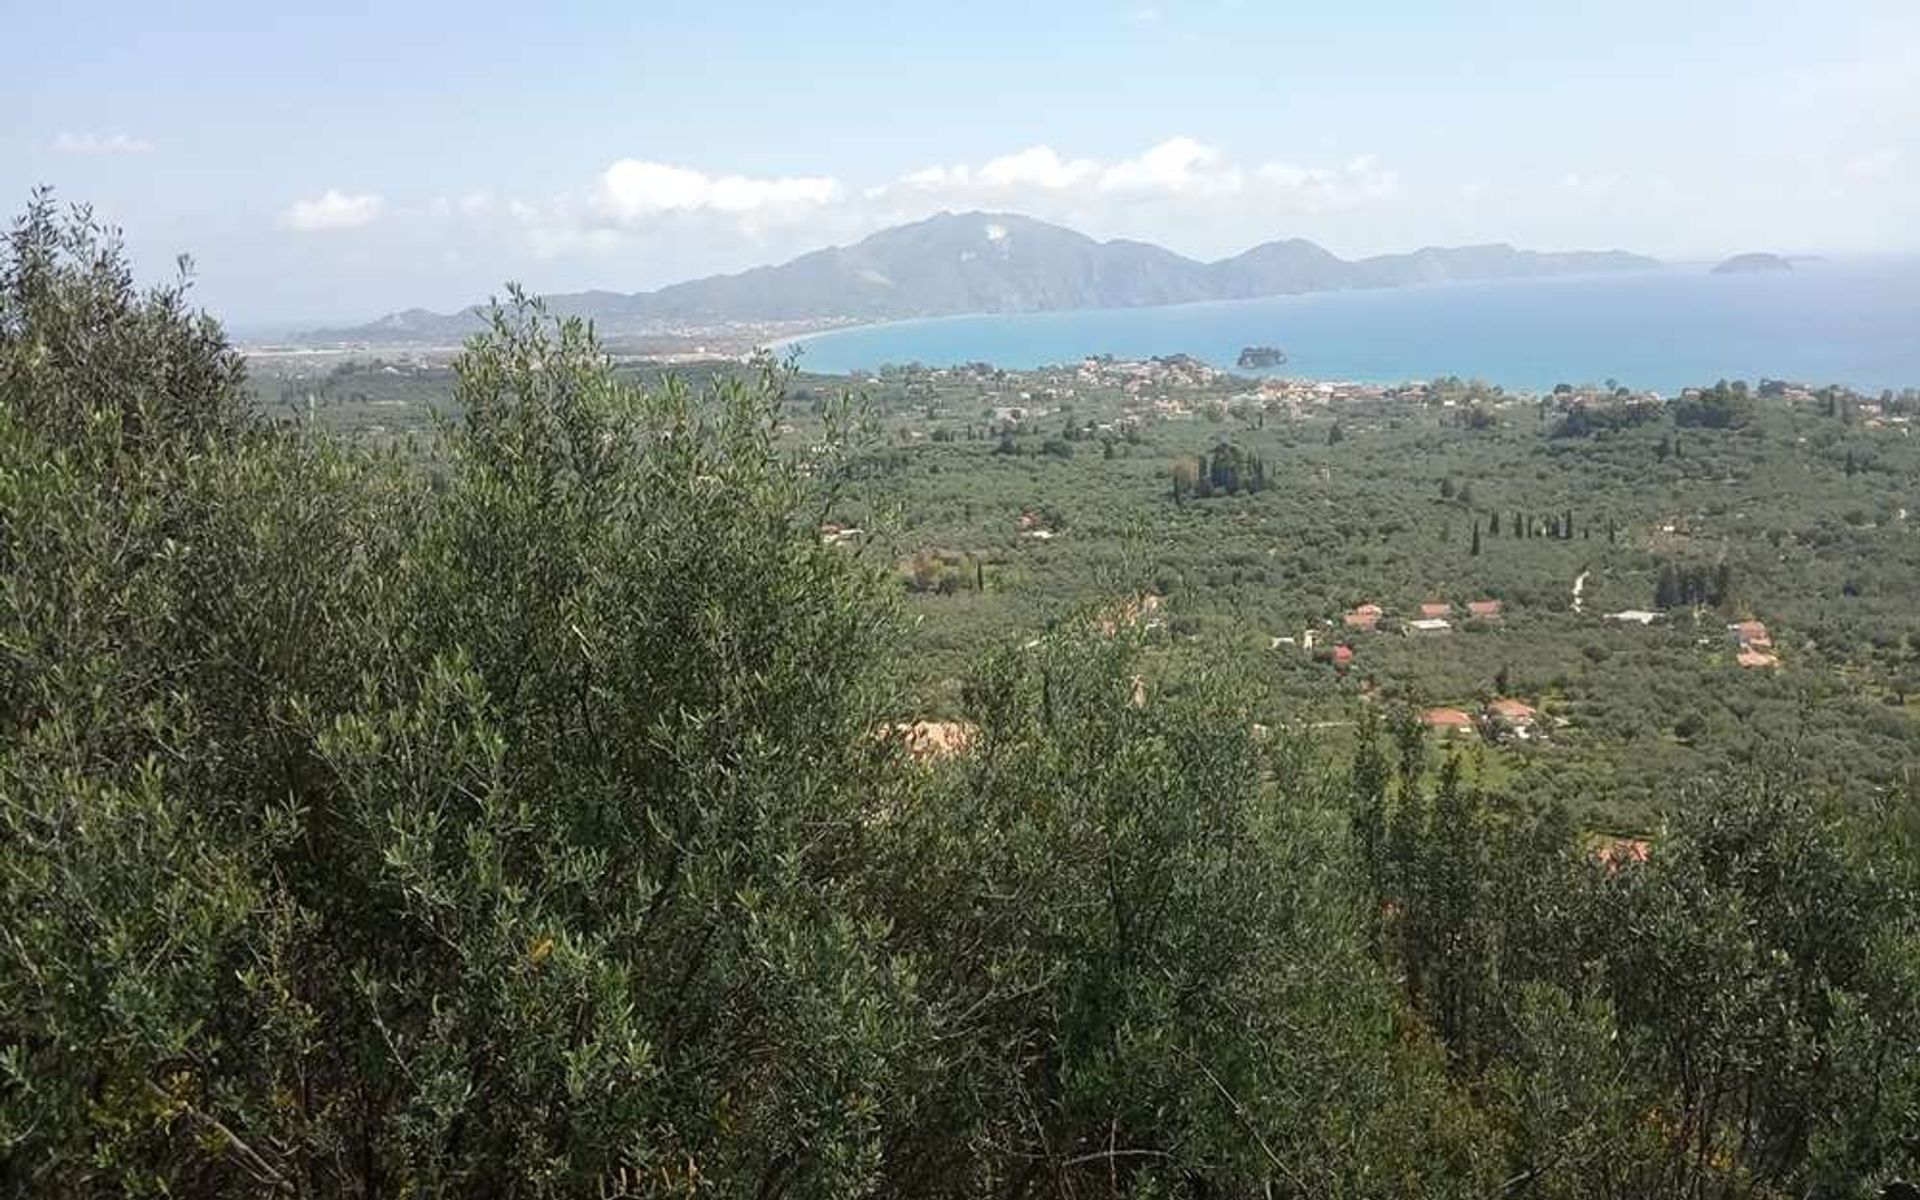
[1752, 264]
[1254, 358]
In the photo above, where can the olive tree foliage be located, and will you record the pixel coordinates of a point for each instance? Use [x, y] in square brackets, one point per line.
[623, 854]
[166, 571]
[490, 832]
[1734, 1016]
[1146, 950]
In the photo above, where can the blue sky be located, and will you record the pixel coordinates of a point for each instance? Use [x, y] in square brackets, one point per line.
[342, 161]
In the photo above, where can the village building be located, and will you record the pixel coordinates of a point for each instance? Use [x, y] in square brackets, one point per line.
[1749, 635]
[1516, 715]
[1757, 659]
[1634, 616]
[1436, 608]
[1367, 616]
[1445, 721]
[1342, 657]
[1484, 610]
[1617, 852]
[1429, 625]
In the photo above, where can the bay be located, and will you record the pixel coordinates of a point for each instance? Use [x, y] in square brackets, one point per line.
[1849, 322]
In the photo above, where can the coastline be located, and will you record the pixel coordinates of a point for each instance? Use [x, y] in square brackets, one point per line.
[799, 340]
[1662, 329]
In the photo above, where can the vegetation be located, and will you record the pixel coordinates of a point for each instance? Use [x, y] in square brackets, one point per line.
[522, 813]
[1801, 517]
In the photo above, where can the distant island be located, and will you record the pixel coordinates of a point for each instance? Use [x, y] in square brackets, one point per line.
[1256, 358]
[978, 262]
[1752, 264]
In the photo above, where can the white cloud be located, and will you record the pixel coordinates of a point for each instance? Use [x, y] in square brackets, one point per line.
[1180, 170]
[1180, 190]
[1177, 165]
[932, 177]
[638, 202]
[97, 143]
[333, 209]
[632, 190]
[1036, 166]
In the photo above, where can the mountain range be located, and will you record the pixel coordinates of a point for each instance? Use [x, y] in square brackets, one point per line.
[977, 262]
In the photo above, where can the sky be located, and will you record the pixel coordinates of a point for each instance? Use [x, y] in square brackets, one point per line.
[340, 162]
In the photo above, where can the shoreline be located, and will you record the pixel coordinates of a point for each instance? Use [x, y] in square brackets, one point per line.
[1662, 330]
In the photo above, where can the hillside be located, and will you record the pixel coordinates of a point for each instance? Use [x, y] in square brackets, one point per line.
[543, 805]
[1000, 263]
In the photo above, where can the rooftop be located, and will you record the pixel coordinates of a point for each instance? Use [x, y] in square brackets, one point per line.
[1513, 710]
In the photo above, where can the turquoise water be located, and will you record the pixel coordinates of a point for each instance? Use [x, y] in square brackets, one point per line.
[1856, 323]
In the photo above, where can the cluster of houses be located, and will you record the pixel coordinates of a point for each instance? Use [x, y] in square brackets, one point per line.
[1752, 644]
[1436, 616]
[1136, 375]
[1515, 717]
[1750, 639]
[1305, 393]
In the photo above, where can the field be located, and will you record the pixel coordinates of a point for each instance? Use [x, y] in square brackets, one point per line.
[1258, 514]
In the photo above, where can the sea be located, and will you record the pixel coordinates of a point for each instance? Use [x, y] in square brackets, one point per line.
[1850, 322]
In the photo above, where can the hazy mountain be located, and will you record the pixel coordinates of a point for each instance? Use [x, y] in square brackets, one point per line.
[999, 263]
[1449, 264]
[1754, 263]
[976, 262]
[1280, 268]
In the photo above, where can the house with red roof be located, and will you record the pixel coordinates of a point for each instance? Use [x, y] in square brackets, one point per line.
[1365, 617]
[1515, 713]
[1342, 657]
[1446, 721]
[1436, 608]
[1484, 610]
[1616, 852]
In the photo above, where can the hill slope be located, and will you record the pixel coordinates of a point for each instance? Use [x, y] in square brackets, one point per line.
[999, 263]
